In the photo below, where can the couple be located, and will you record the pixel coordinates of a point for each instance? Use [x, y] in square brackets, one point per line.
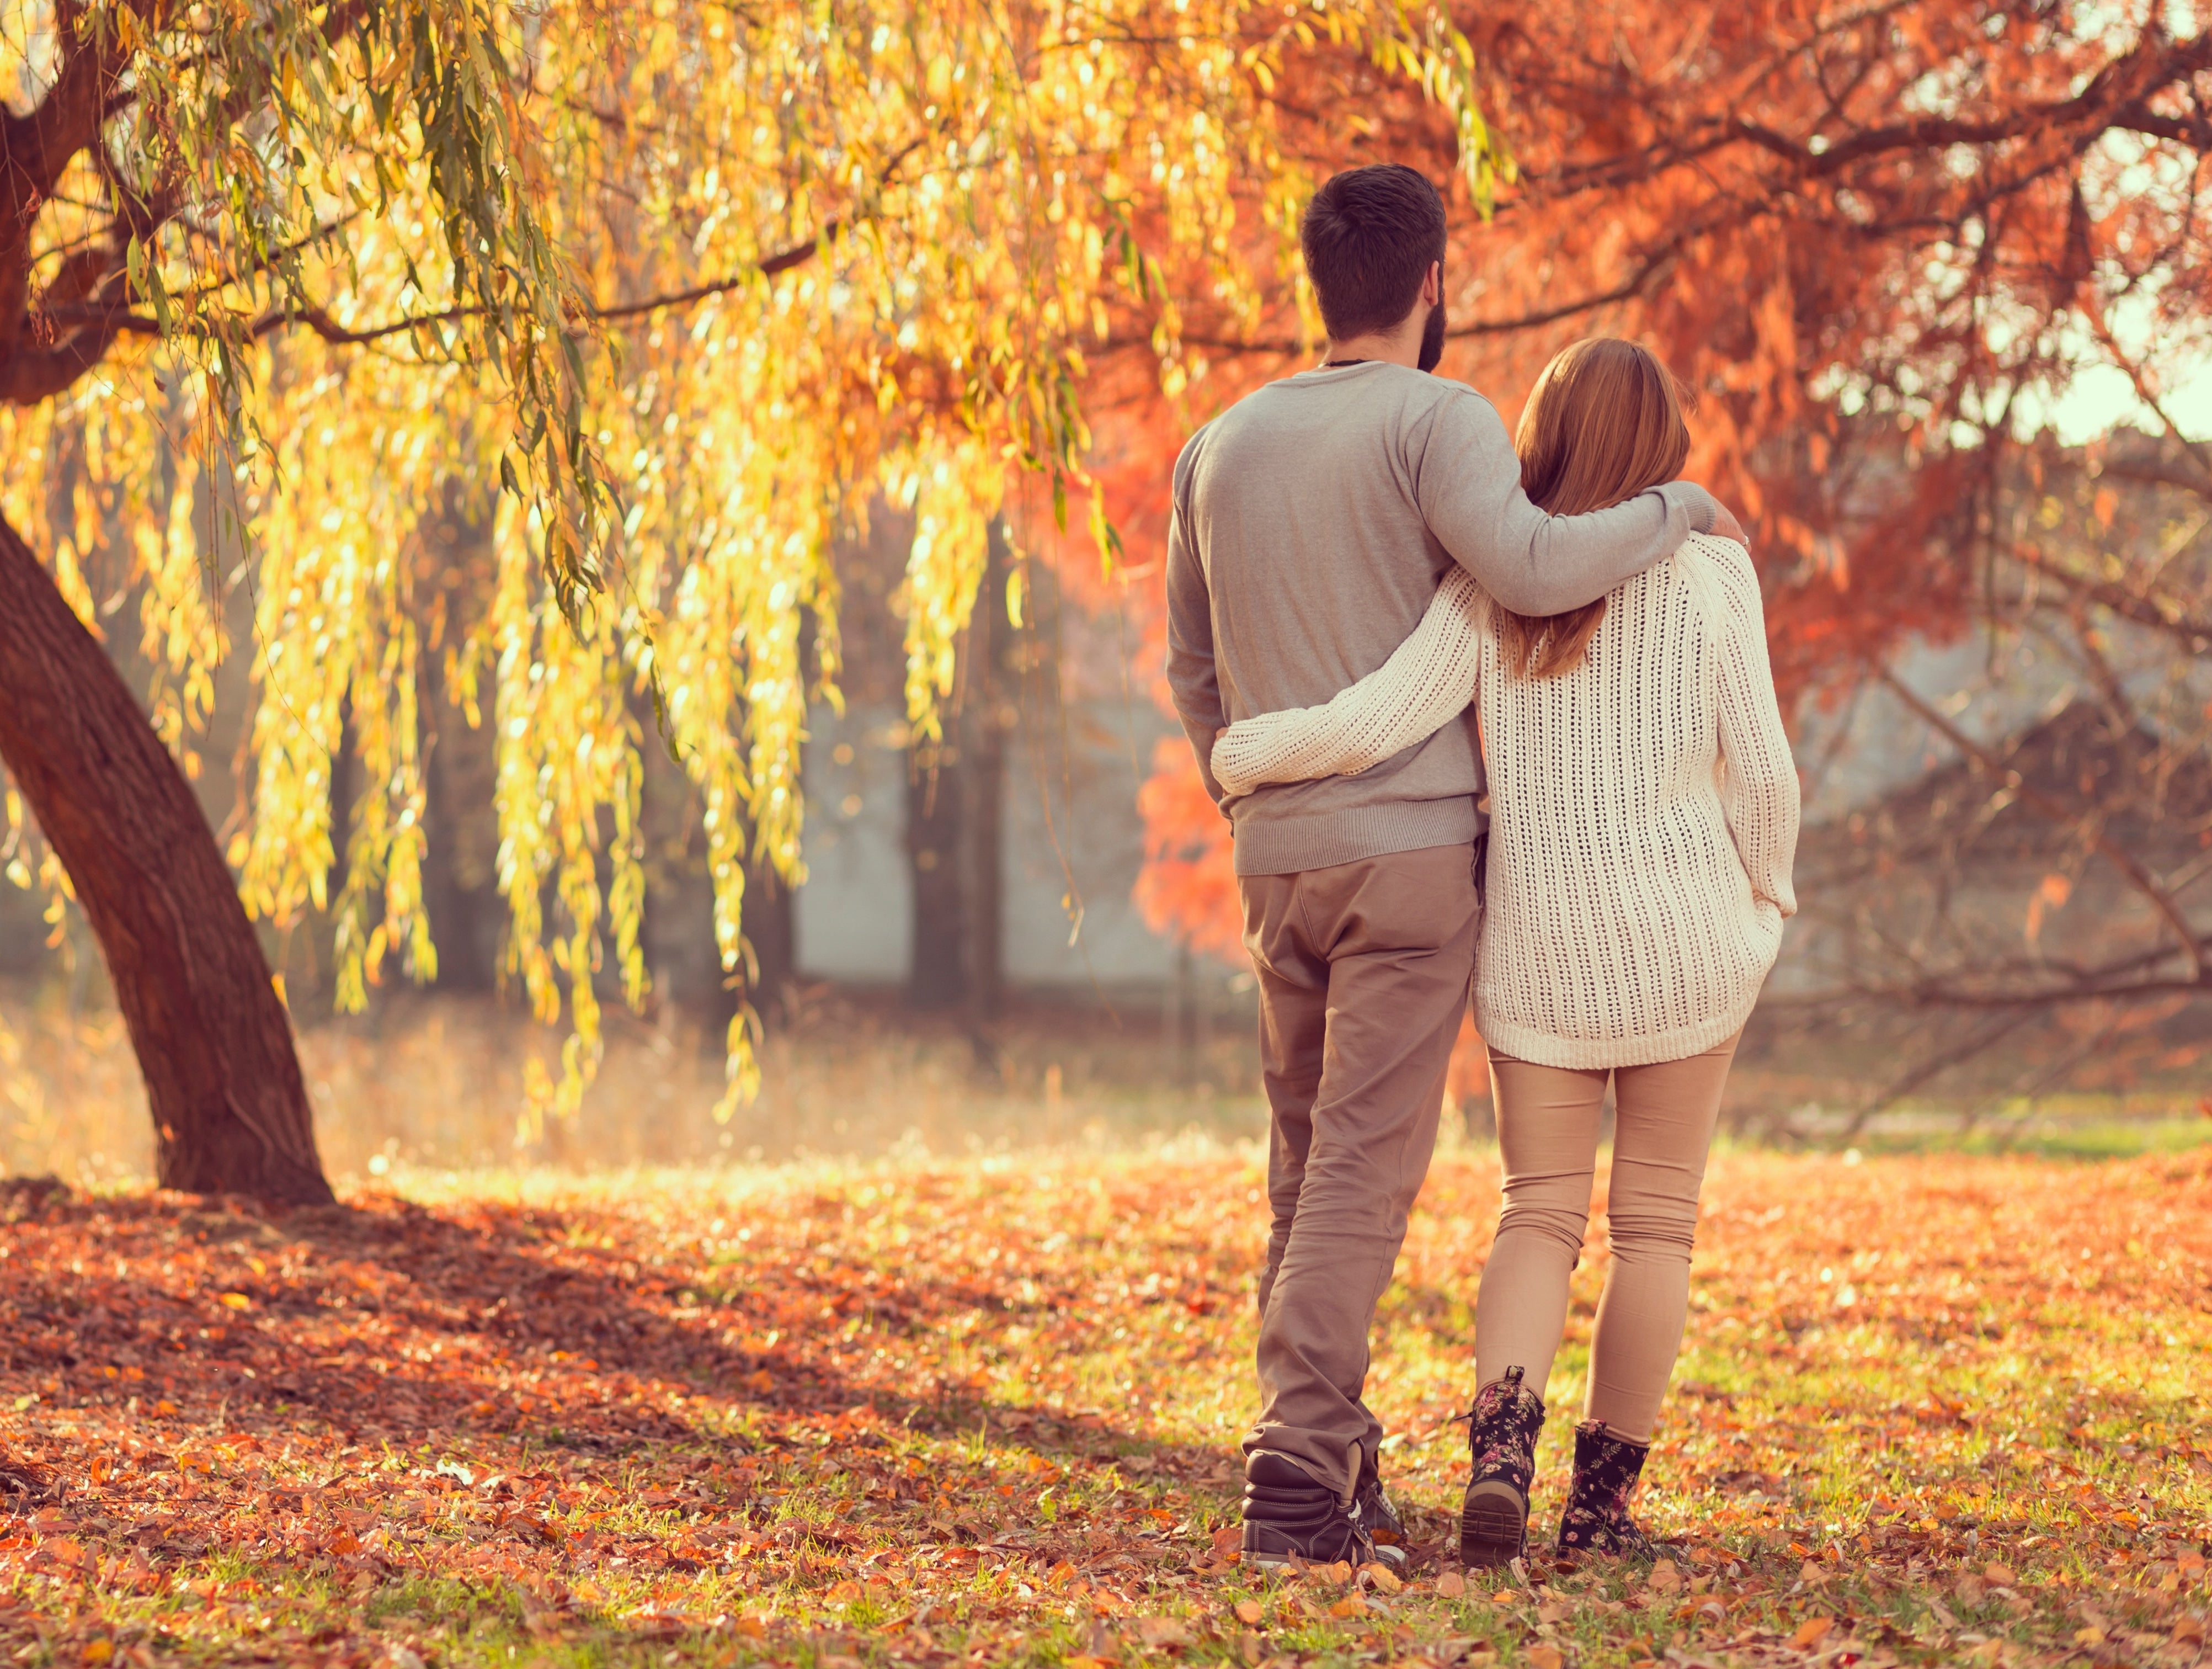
[1385, 620]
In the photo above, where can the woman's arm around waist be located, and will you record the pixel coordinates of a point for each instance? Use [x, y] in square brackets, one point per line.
[1425, 684]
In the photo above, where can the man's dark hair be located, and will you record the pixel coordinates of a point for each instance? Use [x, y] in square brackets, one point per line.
[1369, 236]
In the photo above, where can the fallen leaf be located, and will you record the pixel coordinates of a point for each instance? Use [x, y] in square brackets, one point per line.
[1228, 1540]
[364, 1469]
[1351, 1605]
[1381, 1577]
[1811, 1632]
[2092, 1636]
[1544, 1657]
[1665, 1577]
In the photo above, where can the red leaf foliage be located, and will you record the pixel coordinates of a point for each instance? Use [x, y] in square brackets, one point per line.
[1873, 241]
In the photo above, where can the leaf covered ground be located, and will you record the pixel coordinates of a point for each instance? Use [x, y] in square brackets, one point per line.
[1931, 1410]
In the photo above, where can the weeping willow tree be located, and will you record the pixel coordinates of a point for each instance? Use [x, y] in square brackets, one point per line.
[679, 289]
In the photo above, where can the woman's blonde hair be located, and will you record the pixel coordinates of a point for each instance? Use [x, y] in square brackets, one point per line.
[1603, 423]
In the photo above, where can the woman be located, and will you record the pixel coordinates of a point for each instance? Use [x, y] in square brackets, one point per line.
[1644, 817]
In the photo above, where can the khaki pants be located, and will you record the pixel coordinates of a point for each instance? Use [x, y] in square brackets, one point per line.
[1363, 972]
[1547, 1119]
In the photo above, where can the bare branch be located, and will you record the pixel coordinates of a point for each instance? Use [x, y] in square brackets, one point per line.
[2142, 609]
[2191, 943]
[1977, 1042]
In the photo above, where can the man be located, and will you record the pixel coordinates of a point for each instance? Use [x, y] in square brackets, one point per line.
[1312, 522]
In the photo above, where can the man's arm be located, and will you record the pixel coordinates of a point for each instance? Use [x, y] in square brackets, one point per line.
[1468, 482]
[1191, 674]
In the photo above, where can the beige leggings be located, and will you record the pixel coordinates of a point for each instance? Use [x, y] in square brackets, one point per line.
[1547, 1119]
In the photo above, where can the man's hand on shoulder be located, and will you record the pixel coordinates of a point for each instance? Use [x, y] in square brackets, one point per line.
[1725, 525]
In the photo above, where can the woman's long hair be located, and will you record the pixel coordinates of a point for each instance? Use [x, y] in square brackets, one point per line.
[1603, 423]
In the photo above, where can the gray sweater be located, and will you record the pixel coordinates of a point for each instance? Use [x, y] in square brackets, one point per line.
[1313, 521]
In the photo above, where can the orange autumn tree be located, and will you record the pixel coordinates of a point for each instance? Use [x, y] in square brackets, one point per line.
[1878, 244]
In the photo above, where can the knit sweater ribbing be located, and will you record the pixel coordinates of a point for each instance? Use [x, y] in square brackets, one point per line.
[1644, 807]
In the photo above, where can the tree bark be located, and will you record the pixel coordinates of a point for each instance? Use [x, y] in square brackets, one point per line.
[935, 795]
[230, 1110]
[955, 792]
[989, 708]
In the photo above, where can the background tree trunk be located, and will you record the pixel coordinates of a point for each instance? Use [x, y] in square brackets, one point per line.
[230, 1110]
[988, 714]
[954, 812]
[936, 795]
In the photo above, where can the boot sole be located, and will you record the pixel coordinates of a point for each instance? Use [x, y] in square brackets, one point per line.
[1493, 1527]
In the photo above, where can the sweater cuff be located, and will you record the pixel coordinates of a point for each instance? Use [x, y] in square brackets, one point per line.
[1702, 507]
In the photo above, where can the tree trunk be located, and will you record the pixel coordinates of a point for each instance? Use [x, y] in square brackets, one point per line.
[936, 789]
[955, 792]
[989, 712]
[230, 1110]
[771, 928]
[459, 831]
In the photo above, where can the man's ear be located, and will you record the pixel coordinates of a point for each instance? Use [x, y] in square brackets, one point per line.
[1432, 284]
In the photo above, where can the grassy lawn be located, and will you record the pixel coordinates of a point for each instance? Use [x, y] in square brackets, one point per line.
[1933, 1409]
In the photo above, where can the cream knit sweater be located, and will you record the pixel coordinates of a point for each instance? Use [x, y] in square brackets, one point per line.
[1643, 806]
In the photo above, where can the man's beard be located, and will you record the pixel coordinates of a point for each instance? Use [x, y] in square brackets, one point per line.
[1432, 339]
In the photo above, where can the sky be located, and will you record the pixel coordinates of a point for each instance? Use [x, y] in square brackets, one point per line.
[2100, 397]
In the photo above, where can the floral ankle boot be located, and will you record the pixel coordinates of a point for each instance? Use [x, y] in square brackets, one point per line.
[1501, 1435]
[1596, 1521]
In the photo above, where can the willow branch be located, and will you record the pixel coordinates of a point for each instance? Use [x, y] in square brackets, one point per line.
[318, 319]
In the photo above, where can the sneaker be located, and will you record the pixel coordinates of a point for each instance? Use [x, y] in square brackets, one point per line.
[1290, 1514]
[1379, 1516]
